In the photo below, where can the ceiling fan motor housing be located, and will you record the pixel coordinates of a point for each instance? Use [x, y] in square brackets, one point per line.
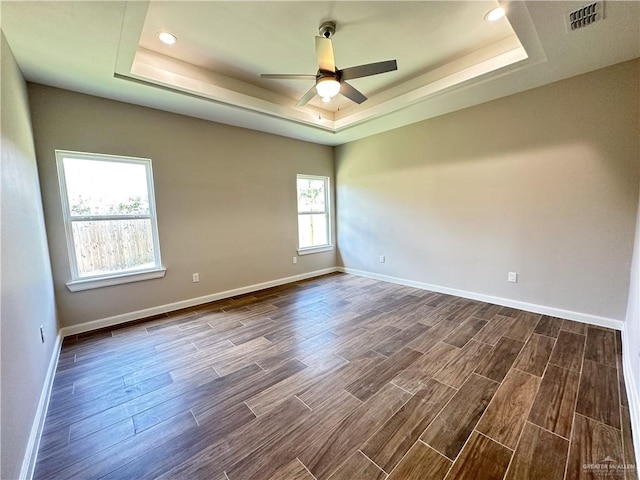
[329, 80]
[327, 29]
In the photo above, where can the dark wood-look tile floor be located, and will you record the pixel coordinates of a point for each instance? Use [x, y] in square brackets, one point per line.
[340, 377]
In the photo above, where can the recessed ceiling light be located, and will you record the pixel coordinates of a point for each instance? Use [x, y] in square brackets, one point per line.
[167, 38]
[495, 14]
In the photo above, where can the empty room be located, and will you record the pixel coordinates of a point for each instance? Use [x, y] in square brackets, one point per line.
[320, 240]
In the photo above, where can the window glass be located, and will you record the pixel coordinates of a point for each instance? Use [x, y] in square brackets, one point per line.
[313, 212]
[109, 213]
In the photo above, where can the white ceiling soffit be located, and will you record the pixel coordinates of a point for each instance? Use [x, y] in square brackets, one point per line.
[448, 57]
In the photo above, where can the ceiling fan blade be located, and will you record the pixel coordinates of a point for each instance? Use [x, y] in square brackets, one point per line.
[307, 97]
[368, 69]
[351, 93]
[324, 54]
[287, 76]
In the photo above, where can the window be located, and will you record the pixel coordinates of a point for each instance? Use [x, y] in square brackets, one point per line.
[314, 220]
[110, 220]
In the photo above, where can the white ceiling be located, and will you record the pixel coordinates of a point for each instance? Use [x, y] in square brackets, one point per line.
[247, 38]
[448, 57]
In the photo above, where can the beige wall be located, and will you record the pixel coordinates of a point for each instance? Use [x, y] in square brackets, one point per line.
[226, 199]
[543, 183]
[27, 290]
[632, 327]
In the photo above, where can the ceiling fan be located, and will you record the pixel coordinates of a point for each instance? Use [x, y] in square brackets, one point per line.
[331, 80]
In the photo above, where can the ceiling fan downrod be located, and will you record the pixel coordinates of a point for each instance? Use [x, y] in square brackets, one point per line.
[327, 29]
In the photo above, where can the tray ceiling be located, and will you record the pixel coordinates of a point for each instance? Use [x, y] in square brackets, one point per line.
[448, 56]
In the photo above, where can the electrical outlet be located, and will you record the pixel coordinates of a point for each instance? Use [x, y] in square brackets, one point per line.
[382, 259]
[42, 333]
[512, 277]
[294, 260]
[196, 277]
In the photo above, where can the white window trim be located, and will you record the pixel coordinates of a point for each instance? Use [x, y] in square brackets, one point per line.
[318, 249]
[107, 281]
[78, 283]
[327, 202]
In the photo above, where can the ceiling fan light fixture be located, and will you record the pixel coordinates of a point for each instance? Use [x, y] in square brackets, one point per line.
[494, 14]
[326, 99]
[167, 38]
[327, 88]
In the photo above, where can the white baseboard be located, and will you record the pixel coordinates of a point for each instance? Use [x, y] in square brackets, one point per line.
[632, 394]
[506, 302]
[33, 444]
[148, 312]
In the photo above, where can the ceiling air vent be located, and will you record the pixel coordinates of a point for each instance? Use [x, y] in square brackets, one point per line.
[585, 16]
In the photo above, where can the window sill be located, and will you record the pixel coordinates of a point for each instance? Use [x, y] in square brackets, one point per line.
[310, 250]
[91, 283]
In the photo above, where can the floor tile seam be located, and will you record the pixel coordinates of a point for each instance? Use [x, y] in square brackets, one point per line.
[306, 468]
[493, 380]
[380, 353]
[603, 364]
[265, 318]
[441, 342]
[298, 359]
[517, 339]
[575, 333]
[340, 356]
[526, 418]
[192, 324]
[337, 467]
[573, 412]
[100, 429]
[422, 384]
[427, 426]
[407, 453]
[512, 450]
[194, 416]
[491, 402]
[543, 335]
[64, 425]
[371, 460]
[453, 462]
[549, 362]
[523, 371]
[584, 359]
[403, 389]
[486, 343]
[620, 412]
[525, 346]
[477, 423]
[351, 394]
[302, 401]
[251, 409]
[178, 392]
[97, 453]
[598, 421]
[467, 439]
[66, 445]
[185, 389]
[548, 431]
[451, 386]
[446, 364]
